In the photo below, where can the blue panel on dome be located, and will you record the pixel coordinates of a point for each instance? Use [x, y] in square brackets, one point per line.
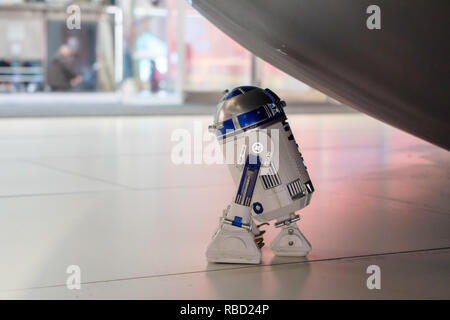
[252, 117]
[237, 91]
[227, 126]
[271, 95]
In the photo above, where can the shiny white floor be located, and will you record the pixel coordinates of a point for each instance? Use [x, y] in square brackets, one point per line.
[103, 194]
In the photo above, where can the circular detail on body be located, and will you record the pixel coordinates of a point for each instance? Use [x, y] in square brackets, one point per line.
[257, 147]
[257, 207]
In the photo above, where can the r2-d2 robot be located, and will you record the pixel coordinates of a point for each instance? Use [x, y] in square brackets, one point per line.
[268, 170]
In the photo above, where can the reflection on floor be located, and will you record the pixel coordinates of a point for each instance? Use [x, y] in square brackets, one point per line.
[104, 194]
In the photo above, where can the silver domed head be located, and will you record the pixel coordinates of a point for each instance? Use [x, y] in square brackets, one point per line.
[246, 107]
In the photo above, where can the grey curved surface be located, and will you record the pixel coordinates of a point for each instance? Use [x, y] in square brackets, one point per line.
[399, 74]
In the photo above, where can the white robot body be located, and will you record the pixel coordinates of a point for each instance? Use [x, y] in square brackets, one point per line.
[268, 170]
[284, 189]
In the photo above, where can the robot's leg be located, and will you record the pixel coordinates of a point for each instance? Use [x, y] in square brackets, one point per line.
[236, 240]
[290, 241]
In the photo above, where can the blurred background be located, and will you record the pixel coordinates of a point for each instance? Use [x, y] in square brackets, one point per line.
[126, 55]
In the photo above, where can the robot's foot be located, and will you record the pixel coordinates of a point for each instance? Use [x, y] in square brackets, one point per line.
[290, 242]
[232, 244]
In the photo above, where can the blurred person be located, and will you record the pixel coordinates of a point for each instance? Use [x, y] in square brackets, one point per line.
[155, 77]
[61, 71]
[5, 63]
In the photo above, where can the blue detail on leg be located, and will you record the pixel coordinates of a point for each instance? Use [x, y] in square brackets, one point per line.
[237, 222]
[252, 165]
[244, 174]
[252, 184]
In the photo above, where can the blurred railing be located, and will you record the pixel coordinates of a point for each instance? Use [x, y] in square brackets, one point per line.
[27, 79]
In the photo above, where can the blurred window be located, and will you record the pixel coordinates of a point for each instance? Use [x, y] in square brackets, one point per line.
[214, 61]
[151, 46]
[134, 48]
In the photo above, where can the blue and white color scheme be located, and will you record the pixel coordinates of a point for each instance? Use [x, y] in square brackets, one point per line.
[271, 179]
